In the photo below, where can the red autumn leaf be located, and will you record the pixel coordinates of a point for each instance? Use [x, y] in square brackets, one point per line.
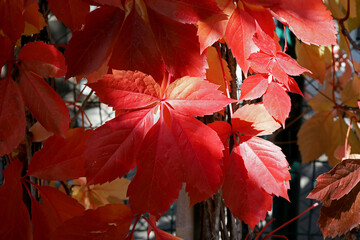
[42, 59]
[338, 182]
[178, 45]
[242, 195]
[127, 90]
[6, 50]
[292, 86]
[277, 102]
[271, 60]
[56, 208]
[341, 215]
[266, 165]
[195, 97]
[84, 53]
[185, 11]
[51, 164]
[200, 162]
[254, 87]
[253, 120]
[213, 28]
[198, 166]
[11, 19]
[258, 10]
[112, 147]
[44, 103]
[136, 48]
[15, 221]
[12, 116]
[71, 12]
[111, 221]
[158, 156]
[309, 20]
[239, 33]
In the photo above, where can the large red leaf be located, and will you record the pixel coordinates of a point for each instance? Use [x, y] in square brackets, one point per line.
[277, 102]
[112, 147]
[14, 221]
[185, 11]
[12, 116]
[11, 19]
[253, 120]
[127, 90]
[201, 153]
[338, 182]
[159, 175]
[51, 164]
[178, 45]
[254, 87]
[111, 221]
[239, 32]
[174, 152]
[43, 59]
[55, 209]
[246, 200]
[195, 97]
[341, 215]
[136, 48]
[309, 20]
[266, 165]
[90, 48]
[71, 12]
[44, 103]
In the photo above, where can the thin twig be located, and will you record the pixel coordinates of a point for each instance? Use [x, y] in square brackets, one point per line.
[73, 120]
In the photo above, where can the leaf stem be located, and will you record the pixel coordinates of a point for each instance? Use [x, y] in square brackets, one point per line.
[73, 120]
[224, 77]
[291, 220]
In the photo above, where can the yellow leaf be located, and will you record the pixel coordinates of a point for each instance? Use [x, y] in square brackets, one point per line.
[214, 73]
[320, 103]
[313, 58]
[97, 195]
[312, 137]
[34, 20]
[351, 92]
[335, 136]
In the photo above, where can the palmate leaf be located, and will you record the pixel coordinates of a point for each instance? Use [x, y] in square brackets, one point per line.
[339, 191]
[256, 169]
[152, 43]
[178, 148]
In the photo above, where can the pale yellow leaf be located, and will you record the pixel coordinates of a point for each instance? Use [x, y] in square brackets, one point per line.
[93, 196]
[312, 136]
[214, 73]
[320, 103]
[313, 58]
[351, 92]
